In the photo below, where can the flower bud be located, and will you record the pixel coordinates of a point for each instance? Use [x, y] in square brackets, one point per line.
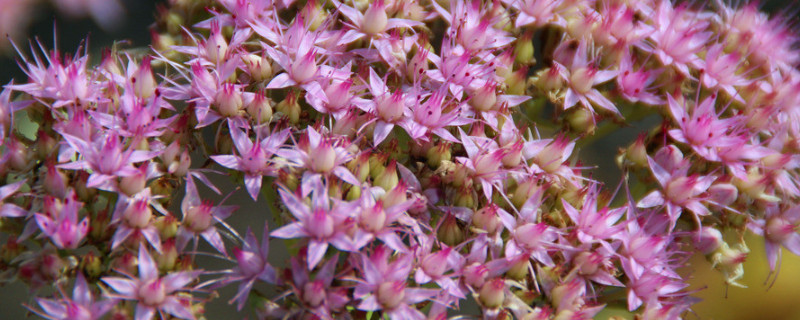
[391, 294]
[168, 257]
[487, 219]
[55, 181]
[135, 183]
[216, 46]
[465, 197]
[724, 194]
[523, 50]
[388, 178]
[91, 265]
[290, 108]
[138, 214]
[347, 125]
[260, 68]
[550, 79]
[229, 100]
[167, 226]
[435, 264]
[260, 108]
[637, 152]
[18, 155]
[518, 270]
[439, 153]
[390, 107]
[475, 275]
[314, 293]
[359, 166]
[375, 18]
[492, 294]
[304, 68]
[373, 219]
[396, 196]
[45, 144]
[450, 233]
[144, 84]
[582, 120]
[709, 240]
[484, 98]
[517, 81]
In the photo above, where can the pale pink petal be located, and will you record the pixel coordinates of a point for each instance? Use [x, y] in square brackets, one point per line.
[316, 251]
[123, 287]
[281, 81]
[144, 312]
[292, 230]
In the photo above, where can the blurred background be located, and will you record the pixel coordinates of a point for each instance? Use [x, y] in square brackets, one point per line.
[76, 24]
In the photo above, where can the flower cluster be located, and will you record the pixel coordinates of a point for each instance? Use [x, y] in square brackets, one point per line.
[414, 156]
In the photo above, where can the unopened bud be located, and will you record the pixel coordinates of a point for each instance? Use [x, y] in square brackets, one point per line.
[484, 98]
[375, 18]
[92, 265]
[290, 108]
[229, 100]
[487, 219]
[166, 259]
[260, 68]
[492, 293]
[144, 84]
[216, 46]
[135, 183]
[582, 120]
[167, 226]
[260, 108]
[450, 233]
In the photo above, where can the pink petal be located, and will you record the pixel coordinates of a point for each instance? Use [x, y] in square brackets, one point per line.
[316, 251]
[281, 81]
[290, 231]
[124, 287]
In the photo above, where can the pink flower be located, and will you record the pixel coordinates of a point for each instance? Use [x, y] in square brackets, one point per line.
[107, 157]
[721, 71]
[64, 229]
[318, 294]
[703, 130]
[252, 263]
[322, 223]
[152, 292]
[134, 216]
[582, 76]
[779, 227]
[636, 85]
[254, 159]
[679, 35]
[536, 12]
[80, 307]
[679, 190]
[199, 217]
[383, 285]
[374, 22]
[375, 220]
[320, 156]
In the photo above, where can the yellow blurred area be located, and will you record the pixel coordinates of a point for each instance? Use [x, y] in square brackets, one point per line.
[756, 302]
